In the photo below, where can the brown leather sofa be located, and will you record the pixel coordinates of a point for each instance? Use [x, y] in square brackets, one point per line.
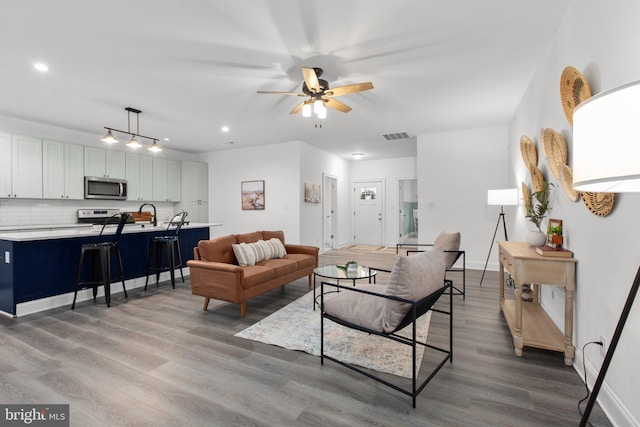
[215, 272]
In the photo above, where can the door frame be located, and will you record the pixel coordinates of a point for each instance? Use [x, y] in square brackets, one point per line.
[334, 222]
[383, 205]
[399, 222]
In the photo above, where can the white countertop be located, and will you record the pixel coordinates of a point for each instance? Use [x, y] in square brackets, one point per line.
[83, 230]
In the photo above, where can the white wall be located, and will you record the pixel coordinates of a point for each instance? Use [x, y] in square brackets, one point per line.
[455, 171]
[389, 171]
[279, 166]
[313, 164]
[601, 40]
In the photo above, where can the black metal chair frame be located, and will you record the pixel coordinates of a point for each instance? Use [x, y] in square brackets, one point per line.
[461, 254]
[418, 308]
[170, 242]
[102, 252]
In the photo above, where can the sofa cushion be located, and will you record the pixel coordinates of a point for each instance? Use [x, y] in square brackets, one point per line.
[358, 308]
[281, 266]
[218, 249]
[303, 260]
[267, 235]
[249, 237]
[448, 242]
[256, 275]
[413, 278]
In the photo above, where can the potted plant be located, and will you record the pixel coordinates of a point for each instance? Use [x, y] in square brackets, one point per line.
[536, 211]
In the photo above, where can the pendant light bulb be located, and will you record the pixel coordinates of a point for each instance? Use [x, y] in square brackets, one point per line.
[317, 106]
[154, 147]
[109, 138]
[134, 143]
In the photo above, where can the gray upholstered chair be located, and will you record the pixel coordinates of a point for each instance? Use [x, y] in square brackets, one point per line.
[415, 284]
[450, 243]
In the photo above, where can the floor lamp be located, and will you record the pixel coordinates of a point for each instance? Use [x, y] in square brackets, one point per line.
[502, 198]
[605, 159]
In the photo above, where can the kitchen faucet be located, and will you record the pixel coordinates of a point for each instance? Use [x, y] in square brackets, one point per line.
[155, 217]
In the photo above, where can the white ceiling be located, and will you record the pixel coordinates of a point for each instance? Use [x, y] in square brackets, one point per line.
[193, 66]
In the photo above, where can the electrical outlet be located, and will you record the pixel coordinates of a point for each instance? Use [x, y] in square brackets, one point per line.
[603, 347]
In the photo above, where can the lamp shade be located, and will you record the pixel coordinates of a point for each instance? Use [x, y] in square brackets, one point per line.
[503, 197]
[606, 141]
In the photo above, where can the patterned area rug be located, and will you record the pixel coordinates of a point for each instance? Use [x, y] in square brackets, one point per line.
[297, 327]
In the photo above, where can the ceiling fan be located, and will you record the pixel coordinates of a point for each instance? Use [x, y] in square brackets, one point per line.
[318, 89]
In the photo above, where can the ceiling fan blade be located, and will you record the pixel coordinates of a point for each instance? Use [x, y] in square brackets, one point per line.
[310, 78]
[345, 90]
[336, 105]
[281, 93]
[298, 108]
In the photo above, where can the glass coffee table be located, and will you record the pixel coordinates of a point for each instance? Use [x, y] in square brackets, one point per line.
[333, 272]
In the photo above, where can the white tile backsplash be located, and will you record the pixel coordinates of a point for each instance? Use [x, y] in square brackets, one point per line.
[55, 212]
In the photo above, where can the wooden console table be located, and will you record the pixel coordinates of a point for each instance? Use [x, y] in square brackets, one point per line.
[529, 324]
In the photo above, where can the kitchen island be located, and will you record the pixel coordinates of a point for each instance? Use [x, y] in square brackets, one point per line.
[38, 268]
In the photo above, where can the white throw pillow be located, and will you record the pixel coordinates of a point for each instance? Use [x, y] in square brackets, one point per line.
[279, 250]
[244, 254]
[267, 250]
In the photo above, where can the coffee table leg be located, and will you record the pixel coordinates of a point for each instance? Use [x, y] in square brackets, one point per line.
[314, 292]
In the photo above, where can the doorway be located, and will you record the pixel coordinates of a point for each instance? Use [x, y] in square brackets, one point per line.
[408, 210]
[368, 220]
[329, 208]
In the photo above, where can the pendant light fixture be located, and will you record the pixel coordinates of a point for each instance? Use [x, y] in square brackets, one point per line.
[133, 143]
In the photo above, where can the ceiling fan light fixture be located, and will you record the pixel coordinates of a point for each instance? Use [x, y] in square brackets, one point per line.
[109, 138]
[306, 110]
[317, 106]
[322, 114]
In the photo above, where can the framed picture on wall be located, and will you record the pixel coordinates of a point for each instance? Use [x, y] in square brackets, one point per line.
[554, 233]
[252, 195]
[311, 192]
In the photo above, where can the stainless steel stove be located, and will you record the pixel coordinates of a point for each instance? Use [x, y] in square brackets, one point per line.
[97, 216]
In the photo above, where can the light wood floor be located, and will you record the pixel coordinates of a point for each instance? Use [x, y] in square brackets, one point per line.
[157, 359]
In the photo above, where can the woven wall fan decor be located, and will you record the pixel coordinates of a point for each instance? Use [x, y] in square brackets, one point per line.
[566, 179]
[555, 150]
[599, 204]
[573, 90]
[528, 152]
[526, 197]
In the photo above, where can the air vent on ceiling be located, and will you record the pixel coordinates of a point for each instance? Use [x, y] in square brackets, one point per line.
[392, 137]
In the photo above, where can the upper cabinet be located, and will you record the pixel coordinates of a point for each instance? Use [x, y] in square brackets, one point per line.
[139, 174]
[104, 163]
[62, 170]
[167, 176]
[195, 190]
[21, 167]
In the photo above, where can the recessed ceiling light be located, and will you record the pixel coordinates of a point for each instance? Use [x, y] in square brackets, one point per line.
[225, 128]
[41, 66]
[357, 156]
[167, 139]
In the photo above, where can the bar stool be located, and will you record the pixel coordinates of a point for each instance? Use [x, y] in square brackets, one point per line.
[101, 254]
[169, 245]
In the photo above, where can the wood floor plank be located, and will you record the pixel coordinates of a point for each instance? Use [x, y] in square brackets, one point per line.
[157, 359]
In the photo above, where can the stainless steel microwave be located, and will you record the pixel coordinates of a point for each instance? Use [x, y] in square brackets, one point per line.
[96, 187]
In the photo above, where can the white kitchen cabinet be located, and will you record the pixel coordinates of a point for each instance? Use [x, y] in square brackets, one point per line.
[21, 167]
[167, 178]
[5, 165]
[139, 174]
[195, 190]
[62, 170]
[104, 163]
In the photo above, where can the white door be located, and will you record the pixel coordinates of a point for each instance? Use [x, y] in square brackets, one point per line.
[368, 218]
[329, 207]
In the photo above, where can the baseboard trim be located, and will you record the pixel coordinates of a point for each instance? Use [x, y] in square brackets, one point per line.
[42, 304]
[610, 403]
